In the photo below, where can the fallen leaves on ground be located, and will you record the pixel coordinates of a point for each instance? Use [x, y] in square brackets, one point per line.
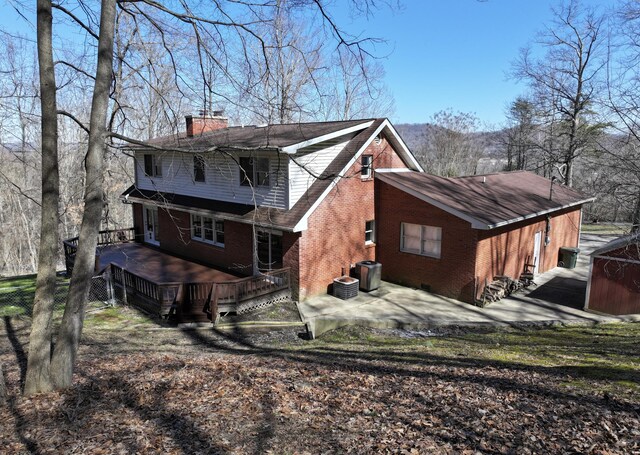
[247, 399]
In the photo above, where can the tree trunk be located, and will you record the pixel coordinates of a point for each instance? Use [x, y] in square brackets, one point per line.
[38, 377]
[3, 386]
[635, 219]
[64, 354]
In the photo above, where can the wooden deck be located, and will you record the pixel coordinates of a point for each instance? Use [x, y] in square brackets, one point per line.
[156, 266]
[170, 286]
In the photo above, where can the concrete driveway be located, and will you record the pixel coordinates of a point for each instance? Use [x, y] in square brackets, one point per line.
[558, 298]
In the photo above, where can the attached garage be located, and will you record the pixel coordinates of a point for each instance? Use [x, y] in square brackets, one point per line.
[614, 277]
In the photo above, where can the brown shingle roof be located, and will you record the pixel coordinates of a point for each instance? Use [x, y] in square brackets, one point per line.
[491, 200]
[278, 218]
[254, 137]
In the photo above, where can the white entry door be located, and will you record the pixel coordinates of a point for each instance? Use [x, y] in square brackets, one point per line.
[536, 251]
[151, 231]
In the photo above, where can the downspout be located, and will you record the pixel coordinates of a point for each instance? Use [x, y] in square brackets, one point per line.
[589, 276]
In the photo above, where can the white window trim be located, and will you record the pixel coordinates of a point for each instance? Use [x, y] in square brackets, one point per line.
[421, 253]
[372, 230]
[368, 167]
[253, 179]
[156, 165]
[201, 237]
[204, 169]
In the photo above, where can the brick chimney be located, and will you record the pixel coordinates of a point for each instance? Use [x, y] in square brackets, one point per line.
[204, 122]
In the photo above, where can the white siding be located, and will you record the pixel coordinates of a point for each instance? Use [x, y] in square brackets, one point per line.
[309, 163]
[222, 179]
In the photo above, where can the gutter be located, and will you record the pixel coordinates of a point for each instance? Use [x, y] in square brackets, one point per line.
[220, 215]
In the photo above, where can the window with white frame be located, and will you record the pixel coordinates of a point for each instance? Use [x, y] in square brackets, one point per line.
[152, 165]
[207, 229]
[198, 168]
[422, 240]
[366, 162]
[254, 171]
[369, 232]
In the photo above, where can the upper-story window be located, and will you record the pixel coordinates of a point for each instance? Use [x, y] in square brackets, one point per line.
[366, 162]
[152, 165]
[198, 168]
[254, 171]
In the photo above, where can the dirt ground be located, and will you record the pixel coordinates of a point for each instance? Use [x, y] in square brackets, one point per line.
[163, 390]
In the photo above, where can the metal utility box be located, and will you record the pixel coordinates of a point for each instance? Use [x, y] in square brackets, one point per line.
[345, 287]
[568, 257]
[370, 274]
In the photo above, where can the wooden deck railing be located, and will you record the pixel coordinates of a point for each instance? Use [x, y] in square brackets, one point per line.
[199, 298]
[107, 237]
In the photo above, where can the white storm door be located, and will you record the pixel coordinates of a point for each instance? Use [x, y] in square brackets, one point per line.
[536, 251]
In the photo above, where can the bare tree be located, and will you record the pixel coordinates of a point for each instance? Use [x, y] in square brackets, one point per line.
[38, 378]
[449, 147]
[566, 79]
[521, 129]
[623, 101]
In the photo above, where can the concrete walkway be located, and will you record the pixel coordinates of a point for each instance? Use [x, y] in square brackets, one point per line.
[558, 298]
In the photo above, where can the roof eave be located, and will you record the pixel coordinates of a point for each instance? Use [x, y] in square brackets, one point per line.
[293, 148]
[222, 215]
[485, 226]
[475, 223]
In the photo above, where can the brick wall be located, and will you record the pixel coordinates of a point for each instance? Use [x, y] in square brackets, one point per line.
[236, 255]
[335, 239]
[505, 250]
[451, 275]
[138, 221]
[291, 259]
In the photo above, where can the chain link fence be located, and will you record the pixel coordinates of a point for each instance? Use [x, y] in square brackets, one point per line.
[17, 293]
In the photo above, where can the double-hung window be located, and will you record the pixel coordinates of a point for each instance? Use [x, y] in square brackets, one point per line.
[369, 232]
[207, 229]
[198, 168]
[254, 171]
[366, 166]
[422, 240]
[152, 165]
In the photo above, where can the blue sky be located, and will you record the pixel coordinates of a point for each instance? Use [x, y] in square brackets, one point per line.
[454, 53]
[439, 54]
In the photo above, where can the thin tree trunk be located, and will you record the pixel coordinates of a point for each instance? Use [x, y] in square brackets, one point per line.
[38, 377]
[635, 219]
[64, 354]
[3, 386]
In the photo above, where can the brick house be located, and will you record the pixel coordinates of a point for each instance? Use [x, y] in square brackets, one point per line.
[452, 235]
[245, 199]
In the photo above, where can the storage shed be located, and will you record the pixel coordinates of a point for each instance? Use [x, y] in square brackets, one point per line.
[614, 277]
[452, 236]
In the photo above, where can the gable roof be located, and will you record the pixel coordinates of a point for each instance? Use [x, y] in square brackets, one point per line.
[491, 200]
[285, 136]
[629, 246]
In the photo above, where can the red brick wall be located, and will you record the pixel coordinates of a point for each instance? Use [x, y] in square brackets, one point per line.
[138, 221]
[504, 250]
[614, 287]
[334, 239]
[236, 256]
[291, 259]
[175, 238]
[451, 275]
